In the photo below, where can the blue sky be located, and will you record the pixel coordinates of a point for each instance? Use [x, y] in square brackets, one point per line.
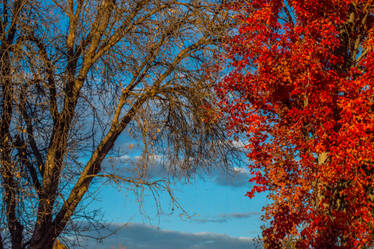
[215, 205]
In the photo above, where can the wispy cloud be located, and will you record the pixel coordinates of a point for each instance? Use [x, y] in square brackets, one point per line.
[234, 177]
[137, 236]
[225, 217]
[128, 166]
[239, 215]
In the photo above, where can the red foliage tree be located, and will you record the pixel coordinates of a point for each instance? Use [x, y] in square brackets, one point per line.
[301, 88]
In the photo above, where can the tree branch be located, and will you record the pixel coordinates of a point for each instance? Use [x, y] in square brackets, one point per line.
[50, 76]
[93, 167]
[21, 147]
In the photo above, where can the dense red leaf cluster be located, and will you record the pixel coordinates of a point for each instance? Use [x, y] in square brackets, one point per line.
[301, 88]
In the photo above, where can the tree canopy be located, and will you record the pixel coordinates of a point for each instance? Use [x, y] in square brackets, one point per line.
[300, 88]
[75, 76]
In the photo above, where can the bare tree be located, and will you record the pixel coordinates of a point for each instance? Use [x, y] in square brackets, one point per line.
[75, 76]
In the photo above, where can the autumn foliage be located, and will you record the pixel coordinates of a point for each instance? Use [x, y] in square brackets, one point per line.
[300, 88]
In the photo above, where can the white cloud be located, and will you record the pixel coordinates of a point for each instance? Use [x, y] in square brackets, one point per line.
[137, 236]
[239, 144]
[127, 166]
[234, 177]
[131, 166]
